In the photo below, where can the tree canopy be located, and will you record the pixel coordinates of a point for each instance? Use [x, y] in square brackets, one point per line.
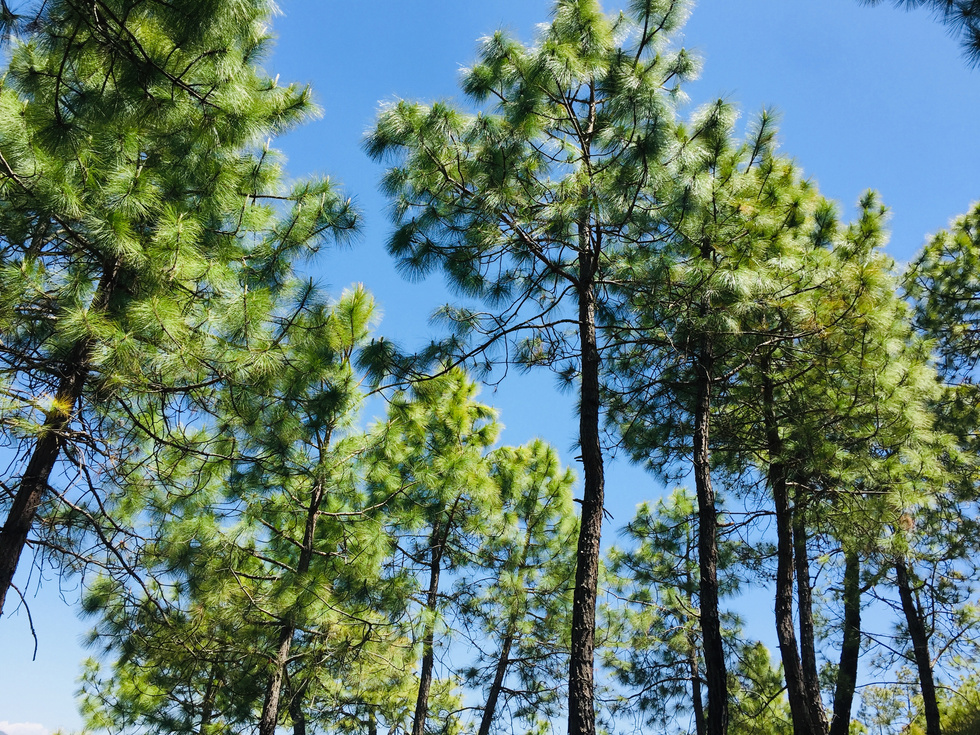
[281, 517]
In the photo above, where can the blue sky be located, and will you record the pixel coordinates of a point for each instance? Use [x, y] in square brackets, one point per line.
[867, 98]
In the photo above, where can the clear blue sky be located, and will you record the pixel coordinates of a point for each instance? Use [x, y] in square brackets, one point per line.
[868, 98]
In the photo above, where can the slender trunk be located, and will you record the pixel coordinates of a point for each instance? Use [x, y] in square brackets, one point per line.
[50, 440]
[808, 645]
[207, 705]
[697, 701]
[296, 712]
[498, 682]
[920, 647]
[785, 629]
[437, 543]
[714, 652]
[270, 707]
[581, 687]
[503, 660]
[850, 648]
[372, 723]
[273, 690]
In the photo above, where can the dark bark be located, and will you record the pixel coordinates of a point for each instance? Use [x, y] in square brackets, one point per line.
[808, 646]
[785, 628]
[697, 701]
[714, 652]
[581, 686]
[920, 647]
[437, 547]
[74, 373]
[273, 690]
[498, 682]
[270, 707]
[207, 705]
[851, 647]
[296, 712]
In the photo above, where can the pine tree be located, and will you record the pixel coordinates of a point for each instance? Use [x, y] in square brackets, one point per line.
[434, 469]
[145, 231]
[264, 558]
[518, 600]
[525, 205]
[655, 640]
[685, 330]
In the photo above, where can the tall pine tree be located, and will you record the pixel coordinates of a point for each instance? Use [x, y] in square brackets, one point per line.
[144, 231]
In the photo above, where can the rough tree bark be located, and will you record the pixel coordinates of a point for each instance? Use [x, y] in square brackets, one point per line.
[714, 653]
[808, 643]
[74, 374]
[920, 647]
[581, 686]
[851, 647]
[785, 627]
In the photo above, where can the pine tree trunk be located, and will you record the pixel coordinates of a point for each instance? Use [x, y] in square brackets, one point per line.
[808, 647]
[785, 628]
[498, 681]
[437, 544]
[697, 701]
[207, 705]
[270, 707]
[503, 660]
[273, 690]
[296, 713]
[851, 647]
[34, 482]
[714, 652]
[581, 687]
[697, 698]
[920, 647]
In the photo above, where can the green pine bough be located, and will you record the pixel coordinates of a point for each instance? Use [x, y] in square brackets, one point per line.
[146, 242]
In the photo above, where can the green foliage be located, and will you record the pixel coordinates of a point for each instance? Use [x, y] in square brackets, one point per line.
[516, 594]
[653, 639]
[276, 542]
[148, 239]
[942, 282]
[575, 132]
[760, 703]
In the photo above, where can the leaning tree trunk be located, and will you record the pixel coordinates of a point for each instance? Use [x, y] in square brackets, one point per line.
[296, 712]
[808, 645]
[581, 685]
[207, 705]
[497, 685]
[850, 648]
[920, 647]
[47, 449]
[714, 652]
[273, 689]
